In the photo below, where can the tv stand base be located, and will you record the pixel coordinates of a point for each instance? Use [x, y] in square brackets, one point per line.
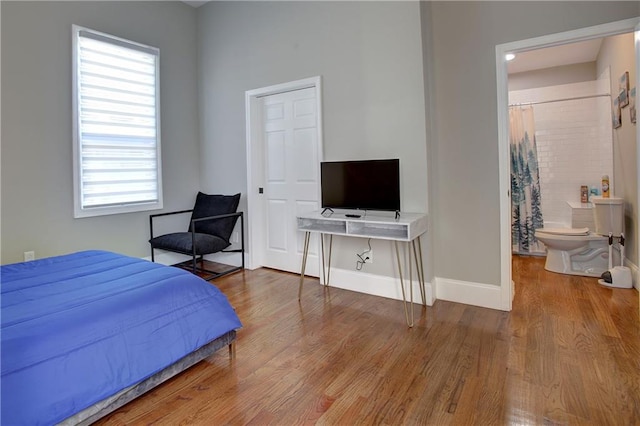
[407, 229]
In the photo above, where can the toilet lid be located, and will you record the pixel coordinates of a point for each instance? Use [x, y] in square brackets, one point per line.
[565, 231]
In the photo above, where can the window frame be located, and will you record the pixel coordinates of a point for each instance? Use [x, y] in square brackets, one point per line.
[79, 210]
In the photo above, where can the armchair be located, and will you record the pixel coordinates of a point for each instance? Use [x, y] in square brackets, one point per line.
[213, 218]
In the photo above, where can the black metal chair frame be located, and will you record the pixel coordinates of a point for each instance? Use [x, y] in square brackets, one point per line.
[195, 258]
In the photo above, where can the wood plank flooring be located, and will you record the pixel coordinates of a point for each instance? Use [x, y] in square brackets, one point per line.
[568, 353]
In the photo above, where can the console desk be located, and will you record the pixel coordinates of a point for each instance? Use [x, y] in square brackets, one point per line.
[407, 228]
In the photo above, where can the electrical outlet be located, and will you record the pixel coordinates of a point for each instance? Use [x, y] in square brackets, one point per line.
[29, 256]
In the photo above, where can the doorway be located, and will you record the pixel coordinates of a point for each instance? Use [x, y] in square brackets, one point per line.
[605, 30]
[284, 150]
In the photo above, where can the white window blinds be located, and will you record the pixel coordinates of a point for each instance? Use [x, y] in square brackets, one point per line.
[116, 118]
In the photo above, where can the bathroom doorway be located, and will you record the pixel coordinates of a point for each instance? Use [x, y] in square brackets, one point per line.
[565, 145]
[623, 174]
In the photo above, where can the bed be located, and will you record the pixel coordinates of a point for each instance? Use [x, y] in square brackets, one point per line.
[84, 333]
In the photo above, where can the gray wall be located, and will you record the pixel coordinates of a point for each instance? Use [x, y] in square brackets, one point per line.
[37, 198]
[464, 197]
[618, 53]
[369, 56]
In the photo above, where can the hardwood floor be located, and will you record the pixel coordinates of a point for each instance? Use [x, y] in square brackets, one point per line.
[568, 353]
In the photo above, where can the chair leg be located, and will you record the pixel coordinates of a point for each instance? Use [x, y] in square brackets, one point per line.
[242, 239]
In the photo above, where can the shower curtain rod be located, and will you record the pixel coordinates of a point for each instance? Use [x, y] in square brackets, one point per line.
[559, 100]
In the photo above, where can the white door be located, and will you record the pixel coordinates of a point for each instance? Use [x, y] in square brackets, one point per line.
[291, 186]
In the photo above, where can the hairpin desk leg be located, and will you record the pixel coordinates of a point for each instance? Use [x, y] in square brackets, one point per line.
[404, 297]
[420, 269]
[304, 262]
[324, 272]
[328, 274]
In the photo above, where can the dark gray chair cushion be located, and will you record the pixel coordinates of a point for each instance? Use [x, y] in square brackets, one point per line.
[212, 205]
[182, 242]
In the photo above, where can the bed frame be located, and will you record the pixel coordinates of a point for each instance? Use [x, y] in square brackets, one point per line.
[112, 403]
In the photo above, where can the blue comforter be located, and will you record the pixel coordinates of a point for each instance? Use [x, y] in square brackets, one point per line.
[81, 327]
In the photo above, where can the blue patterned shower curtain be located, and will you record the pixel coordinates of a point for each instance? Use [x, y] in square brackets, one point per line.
[526, 210]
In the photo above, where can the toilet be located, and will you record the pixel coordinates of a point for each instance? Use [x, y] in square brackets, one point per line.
[582, 251]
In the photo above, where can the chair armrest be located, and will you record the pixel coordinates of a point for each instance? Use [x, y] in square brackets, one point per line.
[219, 216]
[151, 217]
[215, 217]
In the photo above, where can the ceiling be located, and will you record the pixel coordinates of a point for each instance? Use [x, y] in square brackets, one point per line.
[566, 54]
[195, 3]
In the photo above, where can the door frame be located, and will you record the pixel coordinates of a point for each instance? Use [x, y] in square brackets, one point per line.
[255, 157]
[604, 30]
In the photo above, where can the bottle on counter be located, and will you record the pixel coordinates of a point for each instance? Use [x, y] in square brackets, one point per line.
[605, 186]
[584, 194]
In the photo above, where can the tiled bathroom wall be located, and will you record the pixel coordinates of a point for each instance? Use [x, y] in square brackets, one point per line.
[573, 140]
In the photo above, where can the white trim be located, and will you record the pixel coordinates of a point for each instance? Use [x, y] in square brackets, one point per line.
[166, 257]
[504, 173]
[604, 30]
[470, 293]
[634, 268]
[377, 285]
[253, 132]
[171, 258]
[362, 282]
[635, 273]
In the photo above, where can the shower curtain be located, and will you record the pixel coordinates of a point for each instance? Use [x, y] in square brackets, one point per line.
[526, 210]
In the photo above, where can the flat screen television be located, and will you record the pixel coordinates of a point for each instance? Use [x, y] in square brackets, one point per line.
[364, 185]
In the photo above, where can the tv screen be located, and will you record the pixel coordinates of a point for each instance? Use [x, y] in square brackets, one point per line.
[365, 185]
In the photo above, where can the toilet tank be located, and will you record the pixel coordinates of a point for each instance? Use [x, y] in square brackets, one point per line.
[608, 215]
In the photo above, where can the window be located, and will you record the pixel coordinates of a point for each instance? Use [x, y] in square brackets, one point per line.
[116, 120]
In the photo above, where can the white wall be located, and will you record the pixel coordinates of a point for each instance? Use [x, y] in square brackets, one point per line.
[573, 141]
[37, 198]
[369, 57]
[617, 53]
[465, 199]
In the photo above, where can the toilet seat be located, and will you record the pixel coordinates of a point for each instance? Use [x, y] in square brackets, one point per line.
[568, 235]
[565, 231]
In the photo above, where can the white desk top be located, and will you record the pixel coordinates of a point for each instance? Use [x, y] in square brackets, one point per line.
[382, 225]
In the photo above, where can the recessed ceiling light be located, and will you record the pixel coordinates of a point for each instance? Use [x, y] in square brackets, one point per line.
[509, 56]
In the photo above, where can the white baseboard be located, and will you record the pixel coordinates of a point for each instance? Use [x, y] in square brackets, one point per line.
[166, 258]
[377, 285]
[489, 296]
[635, 273]
[169, 258]
[470, 293]
[361, 282]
